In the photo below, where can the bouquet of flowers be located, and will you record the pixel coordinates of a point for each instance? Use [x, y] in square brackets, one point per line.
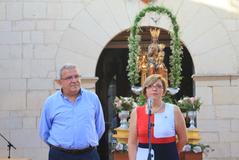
[197, 148]
[119, 147]
[189, 104]
[124, 103]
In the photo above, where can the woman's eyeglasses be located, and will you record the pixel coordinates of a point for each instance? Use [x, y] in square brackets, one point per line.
[155, 86]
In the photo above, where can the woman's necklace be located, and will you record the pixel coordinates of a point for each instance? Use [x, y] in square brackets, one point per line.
[156, 110]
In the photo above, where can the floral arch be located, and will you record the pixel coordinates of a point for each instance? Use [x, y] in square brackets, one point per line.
[175, 46]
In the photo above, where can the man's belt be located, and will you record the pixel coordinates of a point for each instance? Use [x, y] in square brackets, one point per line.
[74, 151]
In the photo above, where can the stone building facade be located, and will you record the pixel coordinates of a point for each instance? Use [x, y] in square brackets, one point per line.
[37, 36]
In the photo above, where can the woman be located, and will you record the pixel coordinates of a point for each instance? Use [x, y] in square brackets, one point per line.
[167, 122]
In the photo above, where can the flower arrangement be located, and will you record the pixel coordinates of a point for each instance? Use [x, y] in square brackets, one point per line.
[189, 104]
[124, 103]
[197, 148]
[119, 147]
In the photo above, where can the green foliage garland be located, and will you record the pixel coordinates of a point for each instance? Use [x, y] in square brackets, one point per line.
[175, 46]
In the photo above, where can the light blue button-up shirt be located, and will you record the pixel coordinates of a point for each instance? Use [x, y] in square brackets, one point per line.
[70, 125]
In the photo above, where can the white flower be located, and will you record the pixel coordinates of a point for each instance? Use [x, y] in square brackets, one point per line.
[192, 99]
[197, 149]
[119, 147]
[124, 103]
[189, 104]
[186, 98]
[125, 148]
[206, 151]
[187, 148]
[180, 101]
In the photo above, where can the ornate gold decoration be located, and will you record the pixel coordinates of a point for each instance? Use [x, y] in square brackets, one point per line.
[162, 69]
[193, 136]
[154, 32]
[152, 62]
[143, 66]
[121, 135]
[175, 46]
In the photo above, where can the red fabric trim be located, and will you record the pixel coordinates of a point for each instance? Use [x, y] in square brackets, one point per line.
[142, 128]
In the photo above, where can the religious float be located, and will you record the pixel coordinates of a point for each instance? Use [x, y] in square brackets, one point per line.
[142, 63]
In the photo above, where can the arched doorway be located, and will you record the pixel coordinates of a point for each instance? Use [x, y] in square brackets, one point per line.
[111, 70]
[113, 81]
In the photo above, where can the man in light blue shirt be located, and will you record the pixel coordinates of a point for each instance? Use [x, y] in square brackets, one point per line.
[72, 120]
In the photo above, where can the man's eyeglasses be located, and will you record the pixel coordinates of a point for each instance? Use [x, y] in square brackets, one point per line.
[70, 78]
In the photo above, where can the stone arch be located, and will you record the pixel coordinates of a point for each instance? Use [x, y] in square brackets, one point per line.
[93, 28]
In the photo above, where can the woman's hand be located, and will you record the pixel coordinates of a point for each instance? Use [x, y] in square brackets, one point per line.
[180, 127]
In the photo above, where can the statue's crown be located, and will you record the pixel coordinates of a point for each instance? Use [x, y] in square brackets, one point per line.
[154, 32]
[161, 46]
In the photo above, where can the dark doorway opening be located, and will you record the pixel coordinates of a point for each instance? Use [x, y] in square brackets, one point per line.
[112, 74]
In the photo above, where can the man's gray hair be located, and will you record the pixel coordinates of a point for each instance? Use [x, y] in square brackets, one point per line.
[65, 66]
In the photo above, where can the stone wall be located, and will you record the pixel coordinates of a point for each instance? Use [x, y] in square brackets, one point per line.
[219, 115]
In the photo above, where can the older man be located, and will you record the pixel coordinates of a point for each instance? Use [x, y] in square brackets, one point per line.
[72, 120]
